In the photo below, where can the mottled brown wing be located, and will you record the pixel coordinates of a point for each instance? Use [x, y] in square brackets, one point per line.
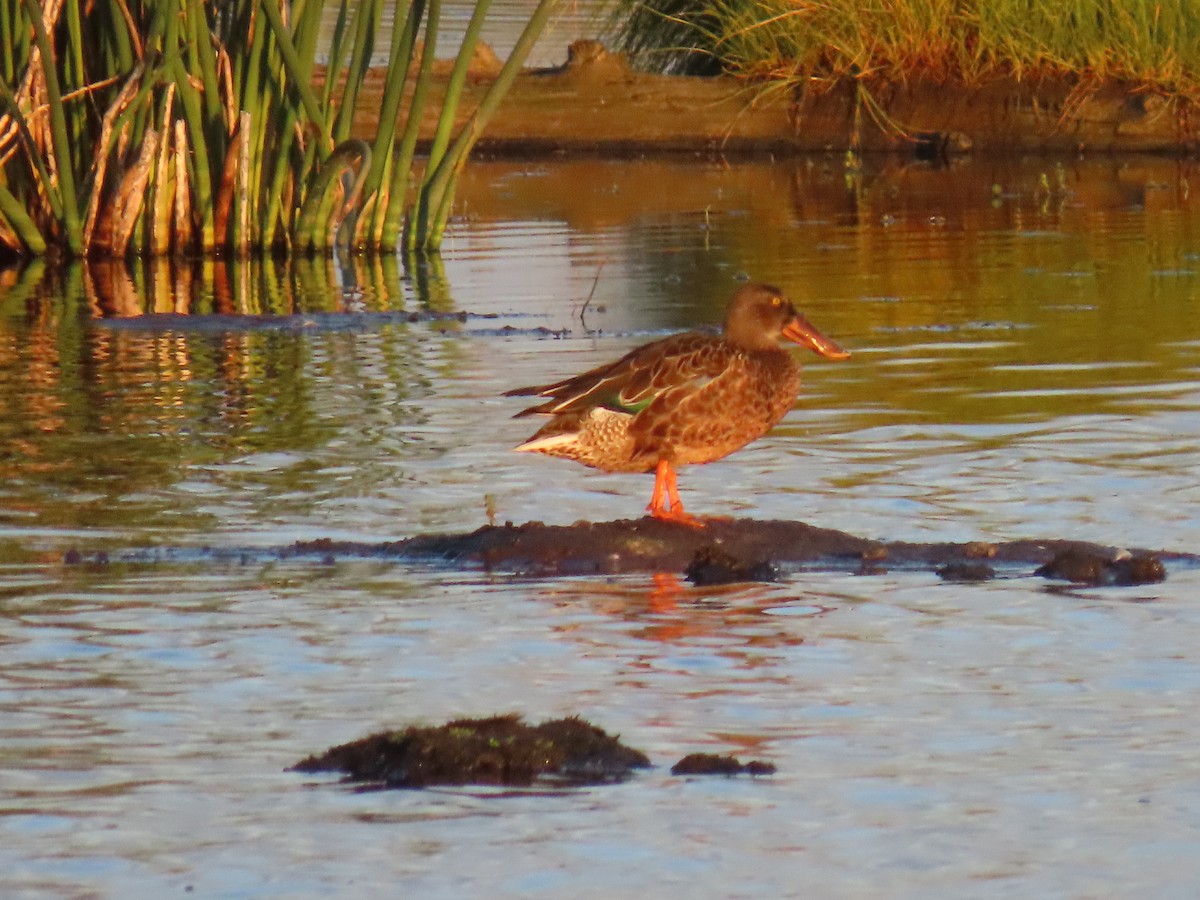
[705, 414]
[633, 382]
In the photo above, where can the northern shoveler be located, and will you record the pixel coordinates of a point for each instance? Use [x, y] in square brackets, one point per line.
[689, 398]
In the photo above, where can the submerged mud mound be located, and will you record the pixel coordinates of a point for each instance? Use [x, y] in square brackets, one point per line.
[740, 550]
[501, 750]
[1081, 567]
[712, 764]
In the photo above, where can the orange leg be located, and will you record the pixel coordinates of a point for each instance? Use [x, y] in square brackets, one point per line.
[665, 503]
[673, 490]
[658, 500]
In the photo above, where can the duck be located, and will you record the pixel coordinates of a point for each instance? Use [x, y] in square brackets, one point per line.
[687, 399]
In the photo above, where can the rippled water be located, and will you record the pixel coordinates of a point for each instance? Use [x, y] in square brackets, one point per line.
[1026, 358]
[505, 21]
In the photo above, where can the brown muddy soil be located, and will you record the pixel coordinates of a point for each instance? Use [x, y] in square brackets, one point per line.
[596, 103]
[750, 550]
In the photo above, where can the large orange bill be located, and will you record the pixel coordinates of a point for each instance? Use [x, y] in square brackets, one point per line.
[802, 332]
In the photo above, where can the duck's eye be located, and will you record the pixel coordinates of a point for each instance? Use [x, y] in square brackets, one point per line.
[776, 301]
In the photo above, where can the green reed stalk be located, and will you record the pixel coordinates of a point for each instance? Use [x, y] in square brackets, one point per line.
[256, 89]
[366, 24]
[313, 224]
[73, 76]
[339, 46]
[36, 159]
[306, 26]
[193, 115]
[72, 224]
[399, 62]
[429, 198]
[12, 36]
[181, 124]
[301, 73]
[402, 164]
[26, 229]
[199, 163]
[121, 53]
[203, 58]
[440, 187]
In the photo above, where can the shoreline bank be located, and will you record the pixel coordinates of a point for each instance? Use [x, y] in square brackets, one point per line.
[597, 104]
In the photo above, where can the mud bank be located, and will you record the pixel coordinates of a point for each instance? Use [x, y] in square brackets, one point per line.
[652, 545]
[595, 103]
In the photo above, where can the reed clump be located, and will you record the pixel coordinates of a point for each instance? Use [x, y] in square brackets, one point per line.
[179, 126]
[1154, 44]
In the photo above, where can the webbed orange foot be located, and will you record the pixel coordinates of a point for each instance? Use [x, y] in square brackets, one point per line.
[665, 503]
[677, 515]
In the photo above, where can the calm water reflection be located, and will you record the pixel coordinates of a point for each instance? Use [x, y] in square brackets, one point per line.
[1026, 352]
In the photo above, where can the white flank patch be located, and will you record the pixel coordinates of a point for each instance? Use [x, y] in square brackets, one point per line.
[541, 445]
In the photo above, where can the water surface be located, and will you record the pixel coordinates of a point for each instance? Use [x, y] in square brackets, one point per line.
[1026, 352]
[505, 21]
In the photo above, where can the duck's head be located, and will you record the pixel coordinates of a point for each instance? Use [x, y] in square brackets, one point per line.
[760, 314]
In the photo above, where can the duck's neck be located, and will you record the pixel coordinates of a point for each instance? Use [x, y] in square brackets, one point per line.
[750, 339]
